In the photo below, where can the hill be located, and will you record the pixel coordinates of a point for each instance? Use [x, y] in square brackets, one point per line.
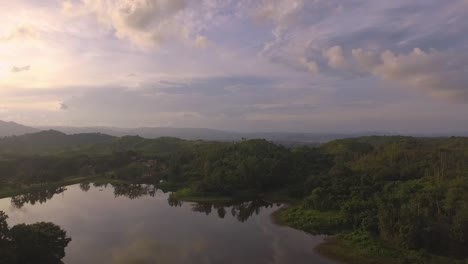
[284, 138]
[13, 129]
[39, 142]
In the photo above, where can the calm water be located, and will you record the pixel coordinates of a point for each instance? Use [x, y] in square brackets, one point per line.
[139, 224]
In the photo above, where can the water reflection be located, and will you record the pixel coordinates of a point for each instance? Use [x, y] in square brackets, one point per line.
[131, 191]
[32, 198]
[134, 191]
[85, 186]
[241, 210]
[173, 201]
[150, 226]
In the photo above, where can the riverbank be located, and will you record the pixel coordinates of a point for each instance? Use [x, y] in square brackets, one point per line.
[187, 194]
[12, 190]
[362, 248]
[343, 245]
[347, 246]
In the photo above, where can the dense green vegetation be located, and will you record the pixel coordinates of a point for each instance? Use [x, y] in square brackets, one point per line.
[41, 243]
[405, 193]
[400, 198]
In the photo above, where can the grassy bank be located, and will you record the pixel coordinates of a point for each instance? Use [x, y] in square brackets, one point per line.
[344, 245]
[311, 221]
[187, 194]
[352, 247]
[12, 190]
[280, 196]
[362, 248]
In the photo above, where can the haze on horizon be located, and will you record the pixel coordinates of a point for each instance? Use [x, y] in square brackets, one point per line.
[246, 65]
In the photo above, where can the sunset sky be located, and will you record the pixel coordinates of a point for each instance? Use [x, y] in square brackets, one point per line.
[246, 65]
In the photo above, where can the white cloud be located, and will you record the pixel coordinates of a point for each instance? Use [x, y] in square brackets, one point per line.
[310, 65]
[16, 69]
[365, 60]
[20, 32]
[444, 74]
[319, 53]
[301, 29]
[145, 23]
[280, 12]
[202, 41]
[310, 28]
[335, 58]
[63, 106]
[441, 74]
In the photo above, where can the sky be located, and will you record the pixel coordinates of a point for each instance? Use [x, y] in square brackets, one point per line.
[246, 65]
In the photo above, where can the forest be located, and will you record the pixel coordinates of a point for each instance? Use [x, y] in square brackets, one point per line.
[388, 199]
[41, 243]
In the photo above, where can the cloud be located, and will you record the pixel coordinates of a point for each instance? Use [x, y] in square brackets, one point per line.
[310, 65]
[198, 102]
[145, 23]
[17, 69]
[202, 41]
[63, 106]
[335, 58]
[309, 28]
[19, 33]
[285, 60]
[217, 86]
[365, 60]
[380, 37]
[278, 11]
[441, 74]
[300, 33]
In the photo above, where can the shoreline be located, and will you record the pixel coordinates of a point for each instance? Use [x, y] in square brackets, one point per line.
[192, 198]
[355, 247]
[66, 182]
[339, 246]
[38, 187]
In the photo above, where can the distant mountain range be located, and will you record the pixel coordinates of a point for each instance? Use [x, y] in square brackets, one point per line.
[54, 142]
[13, 129]
[286, 138]
[53, 138]
[203, 134]
[8, 129]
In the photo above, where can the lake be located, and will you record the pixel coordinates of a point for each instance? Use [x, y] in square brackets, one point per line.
[141, 224]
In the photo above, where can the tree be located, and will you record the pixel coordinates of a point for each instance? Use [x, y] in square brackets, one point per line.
[40, 243]
[3, 226]
[6, 255]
